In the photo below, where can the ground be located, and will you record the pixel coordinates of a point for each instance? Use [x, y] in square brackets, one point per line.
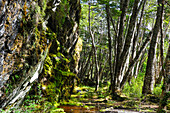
[86, 100]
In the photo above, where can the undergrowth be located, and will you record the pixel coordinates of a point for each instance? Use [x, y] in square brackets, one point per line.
[135, 88]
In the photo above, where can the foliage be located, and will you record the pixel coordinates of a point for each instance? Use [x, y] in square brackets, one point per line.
[135, 88]
[32, 107]
[158, 90]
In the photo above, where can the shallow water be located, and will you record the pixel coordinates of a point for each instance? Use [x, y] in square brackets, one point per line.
[79, 109]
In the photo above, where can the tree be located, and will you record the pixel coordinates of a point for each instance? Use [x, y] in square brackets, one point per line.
[165, 89]
[123, 49]
[152, 51]
[128, 27]
[110, 43]
[95, 43]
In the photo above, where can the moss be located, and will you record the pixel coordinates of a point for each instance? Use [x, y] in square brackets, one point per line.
[168, 106]
[48, 65]
[57, 110]
[132, 104]
[56, 65]
[56, 68]
[51, 92]
[72, 102]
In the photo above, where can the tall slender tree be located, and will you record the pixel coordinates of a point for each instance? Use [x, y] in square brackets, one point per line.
[166, 85]
[152, 52]
[110, 44]
[123, 50]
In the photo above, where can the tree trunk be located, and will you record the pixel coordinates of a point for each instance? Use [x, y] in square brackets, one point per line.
[135, 41]
[166, 85]
[124, 6]
[152, 51]
[29, 31]
[96, 62]
[158, 80]
[135, 60]
[122, 56]
[110, 44]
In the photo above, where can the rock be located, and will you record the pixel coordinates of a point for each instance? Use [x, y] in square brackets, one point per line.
[28, 34]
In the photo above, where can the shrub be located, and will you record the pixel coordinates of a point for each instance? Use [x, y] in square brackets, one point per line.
[135, 88]
[158, 90]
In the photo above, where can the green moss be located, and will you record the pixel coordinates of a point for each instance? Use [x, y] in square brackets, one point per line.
[72, 102]
[51, 35]
[62, 12]
[168, 106]
[48, 65]
[165, 98]
[57, 110]
[59, 83]
[52, 92]
[131, 103]
[44, 6]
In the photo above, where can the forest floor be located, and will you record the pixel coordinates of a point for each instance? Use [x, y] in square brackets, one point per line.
[86, 100]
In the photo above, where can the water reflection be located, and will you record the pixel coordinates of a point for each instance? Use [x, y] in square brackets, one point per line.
[79, 109]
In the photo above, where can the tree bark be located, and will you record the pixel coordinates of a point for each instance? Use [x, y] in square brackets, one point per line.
[136, 39]
[110, 44]
[134, 61]
[152, 51]
[124, 6]
[158, 80]
[122, 56]
[96, 62]
[166, 85]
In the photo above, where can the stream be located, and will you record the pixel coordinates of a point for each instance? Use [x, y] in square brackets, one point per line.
[80, 109]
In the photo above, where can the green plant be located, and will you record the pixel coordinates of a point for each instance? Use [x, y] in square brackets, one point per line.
[135, 88]
[2, 111]
[157, 90]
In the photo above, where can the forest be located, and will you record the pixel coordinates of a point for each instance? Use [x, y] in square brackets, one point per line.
[84, 56]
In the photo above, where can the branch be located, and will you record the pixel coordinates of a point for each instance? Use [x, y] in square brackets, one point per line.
[167, 2]
[113, 24]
